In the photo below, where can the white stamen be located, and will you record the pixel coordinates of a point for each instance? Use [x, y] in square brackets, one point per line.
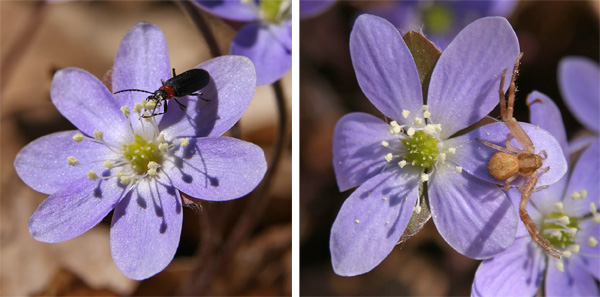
[357, 221]
[402, 163]
[137, 108]
[163, 147]
[593, 208]
[452, 150]
[125, 179]
[78, 137]
[125, 110]
[389, 157]
[185, 141]
[424, 177]
[575, 195]
[559, 206]
[92, 175]
[592, 241]
[575, 248]
[458, 169]
[560, 266]
[429, 129]
[426, 114]
[108, 164]
[583, 193]
[418, 121]
[567, 254]
[405, 113]
[442, 157]
[98, 135]
[411, 131]
[425, 107]
[385, 143]
[417, 209]
[72, 161]
[151, 104]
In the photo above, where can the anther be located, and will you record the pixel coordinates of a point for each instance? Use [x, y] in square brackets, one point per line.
[560, 266]
[137, 108]
[92, 175]
[417, 209]
[108, 164]
[424, 177]
[559, 206]
[186, 141]
[458, 169]
[426, 114]
[78, 137]
[72, 161]
[575, 195]
[411, 131]
[452, 150]
[125, 110]
[385, 143]
[402, 163]
[583, 193]
[405, 113]
[592, 241]
[163, 147]
[98, 135]
[418, 121]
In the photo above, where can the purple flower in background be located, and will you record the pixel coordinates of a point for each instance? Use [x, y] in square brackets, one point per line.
[266, 40]
[440, 21]
[566, 214]
[579, 81]
[310, 8]
[138, 166]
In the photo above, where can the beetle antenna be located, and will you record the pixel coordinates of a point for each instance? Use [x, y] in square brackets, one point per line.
[132, 90]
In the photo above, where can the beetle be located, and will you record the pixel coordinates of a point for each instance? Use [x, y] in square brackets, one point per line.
[510, 162]
[184, 84]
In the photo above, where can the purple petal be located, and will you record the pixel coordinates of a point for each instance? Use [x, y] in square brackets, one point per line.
[229, 93]
[547, 115]
[141, 62]
[574, 281]
[473, 156]
[464, 84]
[74, 210]
[371, 222]
[145, 229]
[385, 68]
[310, 8]
[579, 80]
[357, 151]
[217, 169]
[518, 271]
[235, 10]
[581, 141]
[584, 176]
[589, 256]
[473, 216]
[86, 102]
[42, 164]
[269, 46]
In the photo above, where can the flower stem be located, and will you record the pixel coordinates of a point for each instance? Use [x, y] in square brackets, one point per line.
[198, 20]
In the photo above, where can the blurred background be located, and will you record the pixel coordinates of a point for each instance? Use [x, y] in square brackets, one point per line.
[214, 257]
[425, 265]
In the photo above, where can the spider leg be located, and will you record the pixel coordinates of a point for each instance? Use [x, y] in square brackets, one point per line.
[530, 225]
[543, 155]
[496, 147]
[521, 186]
[509, 146]
[509, 180]
[540, 188]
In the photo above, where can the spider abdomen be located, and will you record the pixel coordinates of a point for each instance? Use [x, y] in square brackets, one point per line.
[502, 165]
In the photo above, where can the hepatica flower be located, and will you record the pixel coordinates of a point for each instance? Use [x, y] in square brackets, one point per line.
[566, 214]
[415, 155]
[136, 166]
[579, 81]
[266, 39]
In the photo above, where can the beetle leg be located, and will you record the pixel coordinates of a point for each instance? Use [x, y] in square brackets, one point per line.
[179, 103]
[199, 95]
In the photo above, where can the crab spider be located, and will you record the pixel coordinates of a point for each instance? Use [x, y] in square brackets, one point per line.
[511, 162]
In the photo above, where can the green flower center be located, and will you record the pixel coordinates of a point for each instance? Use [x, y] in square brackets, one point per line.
[560, 229]
[272, 10]
[422, 149]
[141, 152]
[437, 18]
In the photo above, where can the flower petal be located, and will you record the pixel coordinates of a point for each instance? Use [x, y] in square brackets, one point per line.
[74, 210]
[217, 169]
[518, 271]
[574, 281]
[371, 222]
[142, 61]
[310, 8]
[474, 156]
[86, 102]
[584, 177]
[357, 151]
[145, 229]
[229, 93]
[589, 256]
[579, 79]
[269, 46]
[547, 115]
[42, 164]
[235, 10]
[473, 216]
[385, 69]
[468, 74]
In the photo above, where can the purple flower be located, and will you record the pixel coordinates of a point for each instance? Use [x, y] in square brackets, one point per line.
[266, 40]
[566, 214]
[138, 166]
[579, 81]
[440, 21]
[310, 8]
[395, 165]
